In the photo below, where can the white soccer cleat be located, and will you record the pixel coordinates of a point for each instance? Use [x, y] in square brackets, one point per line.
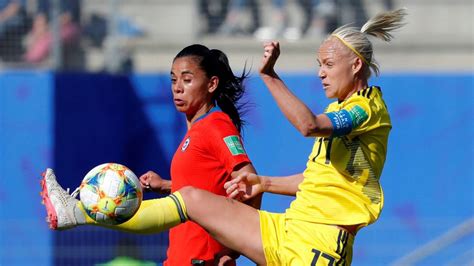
[60, 206]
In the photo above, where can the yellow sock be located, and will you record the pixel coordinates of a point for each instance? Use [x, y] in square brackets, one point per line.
[157, 215]
[81, 214]
[153, 216]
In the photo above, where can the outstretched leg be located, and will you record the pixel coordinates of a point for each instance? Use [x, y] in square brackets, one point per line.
[65, 211]
[230, 222]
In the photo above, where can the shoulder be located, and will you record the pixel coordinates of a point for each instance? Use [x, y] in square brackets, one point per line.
[369, 99]
[219, 119]
[362, 97]
[368, 93]
[368, 109]
[218, 124]
[331, 107]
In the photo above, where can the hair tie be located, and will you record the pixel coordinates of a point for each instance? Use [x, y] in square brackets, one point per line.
[352, 48]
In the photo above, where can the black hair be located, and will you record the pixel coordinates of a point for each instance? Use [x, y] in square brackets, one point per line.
[230, 89]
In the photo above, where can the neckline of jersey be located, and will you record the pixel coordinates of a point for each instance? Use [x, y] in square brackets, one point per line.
[212, 110]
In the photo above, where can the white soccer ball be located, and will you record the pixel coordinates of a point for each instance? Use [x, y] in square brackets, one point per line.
[111, 193]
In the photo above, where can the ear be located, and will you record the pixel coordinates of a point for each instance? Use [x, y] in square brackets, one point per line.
[357, 65]
[213, 83]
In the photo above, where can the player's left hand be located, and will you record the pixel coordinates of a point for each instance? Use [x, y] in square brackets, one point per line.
[245, 186]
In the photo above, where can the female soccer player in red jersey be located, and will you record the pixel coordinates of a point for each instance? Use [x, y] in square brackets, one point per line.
[206, 90]
[211, 153]
[338, 193]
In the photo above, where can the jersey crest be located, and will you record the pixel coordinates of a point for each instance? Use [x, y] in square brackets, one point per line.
[186, 144]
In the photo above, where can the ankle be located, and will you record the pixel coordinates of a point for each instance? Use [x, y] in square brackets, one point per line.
[81, 215]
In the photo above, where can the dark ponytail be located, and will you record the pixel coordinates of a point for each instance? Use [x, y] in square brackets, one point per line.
[230, 89]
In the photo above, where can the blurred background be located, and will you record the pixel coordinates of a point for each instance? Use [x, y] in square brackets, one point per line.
[83, 82]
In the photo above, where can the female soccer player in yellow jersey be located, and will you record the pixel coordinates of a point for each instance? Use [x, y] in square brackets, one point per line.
[337, 194]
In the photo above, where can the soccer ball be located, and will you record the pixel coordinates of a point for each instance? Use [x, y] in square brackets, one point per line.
[110, 193]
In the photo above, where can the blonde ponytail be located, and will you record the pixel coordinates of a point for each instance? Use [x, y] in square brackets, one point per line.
[382, 24]
[380, 27]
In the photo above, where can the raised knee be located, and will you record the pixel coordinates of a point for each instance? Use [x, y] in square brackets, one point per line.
[192, 198]
[190, 194]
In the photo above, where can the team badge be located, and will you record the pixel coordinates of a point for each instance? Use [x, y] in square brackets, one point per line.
[234, 145]
[186, 144]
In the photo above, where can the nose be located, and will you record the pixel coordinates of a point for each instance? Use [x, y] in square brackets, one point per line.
[177, 88]
[321, 73]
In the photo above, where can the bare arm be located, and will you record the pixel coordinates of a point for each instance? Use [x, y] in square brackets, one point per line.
[293, 108]
[247, 185]
[285, 185]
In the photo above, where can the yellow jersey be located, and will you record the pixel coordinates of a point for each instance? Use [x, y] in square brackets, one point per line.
[341, 181]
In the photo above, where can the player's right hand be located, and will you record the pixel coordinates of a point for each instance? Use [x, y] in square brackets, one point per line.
[152, 181]
[245, 186]
[271, 52]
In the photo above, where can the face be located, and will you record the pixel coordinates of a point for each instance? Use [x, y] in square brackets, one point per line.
[336, 69]
[192, 89]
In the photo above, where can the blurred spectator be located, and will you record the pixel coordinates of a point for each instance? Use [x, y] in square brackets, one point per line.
[117, 45]
[40, 37]
[341, 12]
[14, 24]
[351, 11]
[95, 29]
[318, 17]
[214, 13]
[388, 4]
[282, 20]
[234, 23]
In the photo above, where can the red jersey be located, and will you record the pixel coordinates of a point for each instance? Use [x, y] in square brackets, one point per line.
[206, 157]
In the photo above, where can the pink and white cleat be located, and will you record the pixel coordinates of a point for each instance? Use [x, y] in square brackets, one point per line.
[60, 206]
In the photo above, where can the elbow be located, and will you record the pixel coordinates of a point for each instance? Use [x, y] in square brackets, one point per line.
[305, 132]
[315, 127]
[308, 129]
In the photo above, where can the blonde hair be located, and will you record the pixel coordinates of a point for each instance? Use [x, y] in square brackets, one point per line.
[380, 27]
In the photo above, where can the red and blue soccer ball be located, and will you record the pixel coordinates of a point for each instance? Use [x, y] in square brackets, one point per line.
[111, 193]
